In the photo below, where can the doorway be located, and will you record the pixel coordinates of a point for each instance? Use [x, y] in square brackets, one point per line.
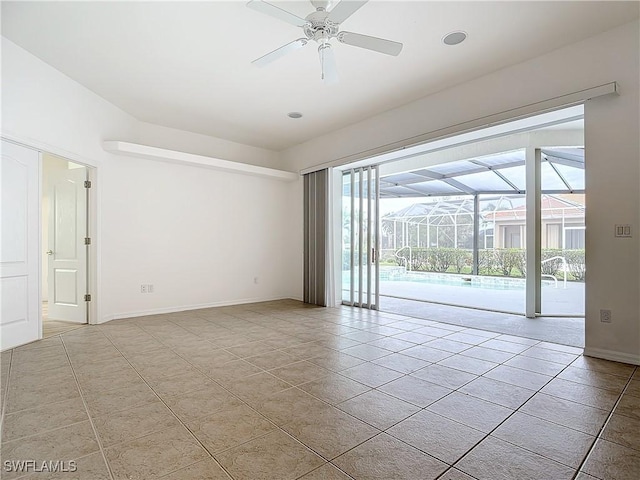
[458, 228]
[65, 243]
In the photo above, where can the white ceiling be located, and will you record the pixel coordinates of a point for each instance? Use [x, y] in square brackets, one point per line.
[187, 65]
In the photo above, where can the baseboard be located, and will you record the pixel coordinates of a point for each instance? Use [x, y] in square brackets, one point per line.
[184, 308]
[633, 359]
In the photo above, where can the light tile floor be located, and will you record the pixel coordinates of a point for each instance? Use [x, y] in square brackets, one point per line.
[285, 391]
[51, 328]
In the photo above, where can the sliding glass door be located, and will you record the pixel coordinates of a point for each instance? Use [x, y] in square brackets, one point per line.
[563, 209]
[502, 232]
[360, 238]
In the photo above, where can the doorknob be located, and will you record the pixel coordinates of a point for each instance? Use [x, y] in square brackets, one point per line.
[49, 252]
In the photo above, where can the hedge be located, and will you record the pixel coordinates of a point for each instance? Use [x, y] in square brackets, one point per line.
[508, 262]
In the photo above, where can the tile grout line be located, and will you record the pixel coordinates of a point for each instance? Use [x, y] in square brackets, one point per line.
[86, 409]
[277, 427]
[487, 435]
[452, 354]
[539, 391]
[170, 410]
[5, 394]
[403, 374]
[280, 427]
[324, 465]
[305, 339]
[604, 425]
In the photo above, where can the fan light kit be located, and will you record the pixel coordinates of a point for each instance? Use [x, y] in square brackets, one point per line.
[321, 26]
[294, 115]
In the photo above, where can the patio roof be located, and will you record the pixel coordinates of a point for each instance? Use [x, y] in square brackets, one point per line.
[502, 173]
[493, 207]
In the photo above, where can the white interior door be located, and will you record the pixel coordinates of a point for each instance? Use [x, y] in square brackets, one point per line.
[19, 246]
[67, 252]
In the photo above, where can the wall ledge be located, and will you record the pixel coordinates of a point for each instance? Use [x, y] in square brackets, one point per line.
[182, 158]
[633, 359]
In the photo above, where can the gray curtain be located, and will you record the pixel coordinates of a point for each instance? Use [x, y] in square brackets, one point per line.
[316, 206]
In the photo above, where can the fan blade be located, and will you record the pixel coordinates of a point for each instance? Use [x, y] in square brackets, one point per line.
[328, 64]
[371, 43]
[280, 52]
[344, 10]
[276, 12]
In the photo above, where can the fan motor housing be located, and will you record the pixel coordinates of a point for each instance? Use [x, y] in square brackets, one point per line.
[318, 27]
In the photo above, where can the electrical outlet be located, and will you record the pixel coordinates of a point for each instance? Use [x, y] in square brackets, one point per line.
[150, 288]
[255, 280]
[605, 316]
[143, 289]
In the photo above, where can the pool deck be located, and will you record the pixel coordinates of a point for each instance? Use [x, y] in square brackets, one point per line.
[565, 330]
[555, 301]
[496, 309]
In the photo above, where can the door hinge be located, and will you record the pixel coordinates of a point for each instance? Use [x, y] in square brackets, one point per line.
[87, 184]
[87, 241]
[87, 297]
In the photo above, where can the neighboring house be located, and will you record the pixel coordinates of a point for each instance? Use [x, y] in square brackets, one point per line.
[562, 223]
[448, 222]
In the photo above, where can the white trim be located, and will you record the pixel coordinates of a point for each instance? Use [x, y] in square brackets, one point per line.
[184, 308]
[182, 158]
[46, 148]
[40, 249]
[442, 137]
[630, 358]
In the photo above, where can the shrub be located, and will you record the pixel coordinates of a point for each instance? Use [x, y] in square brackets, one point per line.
[576, 264]
[506, 259]
[521, 263]
[507, 262]
[436, 259]
[486, 262]
[439, 259]
[461, 258]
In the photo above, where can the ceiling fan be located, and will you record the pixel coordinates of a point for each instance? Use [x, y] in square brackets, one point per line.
[321, 26]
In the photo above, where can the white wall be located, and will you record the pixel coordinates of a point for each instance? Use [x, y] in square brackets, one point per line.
[200, 236]
[612, 149]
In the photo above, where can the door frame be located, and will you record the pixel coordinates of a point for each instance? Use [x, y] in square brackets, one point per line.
[93, 214]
